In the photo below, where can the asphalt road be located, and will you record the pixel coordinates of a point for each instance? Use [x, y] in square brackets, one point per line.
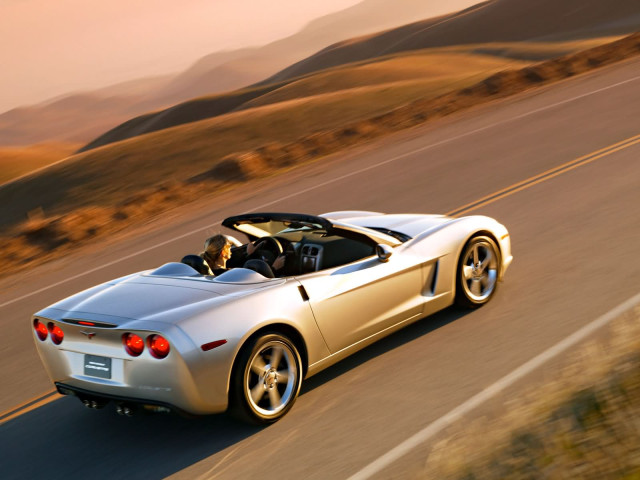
[575, 242]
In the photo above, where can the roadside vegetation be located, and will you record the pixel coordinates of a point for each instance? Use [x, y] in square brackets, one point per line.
[582, 422]
[106, 189]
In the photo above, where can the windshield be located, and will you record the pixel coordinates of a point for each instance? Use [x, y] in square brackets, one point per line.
[264, 229]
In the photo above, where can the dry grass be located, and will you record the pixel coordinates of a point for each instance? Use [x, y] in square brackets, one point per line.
[431, 68]
[17, 161]
[584, 424]
[106, 189]
[433, 64]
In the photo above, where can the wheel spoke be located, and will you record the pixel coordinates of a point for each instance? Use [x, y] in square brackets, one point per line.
[276, 356]
[274, 398]
[485, 282]
[258, 366]
[257, 392]
[485, 263]
[475, 287]
[475, 255]
[467, 272]
[283, 376]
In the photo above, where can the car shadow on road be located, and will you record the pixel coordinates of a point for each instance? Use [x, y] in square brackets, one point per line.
[65, 440]
[397, 339]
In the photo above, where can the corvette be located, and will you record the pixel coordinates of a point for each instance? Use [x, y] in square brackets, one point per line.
[173, 339]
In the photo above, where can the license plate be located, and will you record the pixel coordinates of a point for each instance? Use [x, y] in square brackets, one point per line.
[96, 366]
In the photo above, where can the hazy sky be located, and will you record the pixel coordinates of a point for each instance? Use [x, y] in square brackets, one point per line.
[52, 47]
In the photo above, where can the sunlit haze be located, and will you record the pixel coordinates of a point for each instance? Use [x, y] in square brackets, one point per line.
[50, 48]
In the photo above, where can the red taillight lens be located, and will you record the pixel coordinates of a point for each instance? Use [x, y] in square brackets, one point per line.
[57, 335]
[41, 329]
[133, 344]
[159, 346]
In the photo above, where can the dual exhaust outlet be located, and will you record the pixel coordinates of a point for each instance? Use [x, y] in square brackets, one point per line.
[124, 408]
[121, 408]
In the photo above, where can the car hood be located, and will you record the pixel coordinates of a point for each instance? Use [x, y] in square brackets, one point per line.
[147, 296]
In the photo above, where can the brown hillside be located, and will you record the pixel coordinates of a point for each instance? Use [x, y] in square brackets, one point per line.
[492, 21]
[200, 78]
[63, 120]
[18, 161]
[191, 111]
[210, 77]
[489, 22]
[96, 112]
[366, 17]
[109, 188]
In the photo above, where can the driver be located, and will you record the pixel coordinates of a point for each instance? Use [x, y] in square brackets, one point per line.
[217, 251]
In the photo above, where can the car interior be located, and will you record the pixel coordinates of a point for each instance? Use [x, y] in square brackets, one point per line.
[308, 243]
[306, 250]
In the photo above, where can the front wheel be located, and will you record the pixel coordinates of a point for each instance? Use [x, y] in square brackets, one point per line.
[477, 274]
[266, 379]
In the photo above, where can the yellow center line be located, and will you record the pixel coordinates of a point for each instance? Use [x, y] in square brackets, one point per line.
[546, 175]
[24, 407]
[50, 396]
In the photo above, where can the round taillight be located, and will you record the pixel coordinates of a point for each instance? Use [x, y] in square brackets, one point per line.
[57, 335]
[41, 329]
[133, 344]
[159, 346]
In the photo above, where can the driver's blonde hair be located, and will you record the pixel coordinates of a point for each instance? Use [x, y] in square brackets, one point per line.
[213, 247]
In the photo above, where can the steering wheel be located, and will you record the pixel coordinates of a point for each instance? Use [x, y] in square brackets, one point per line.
[270, 249]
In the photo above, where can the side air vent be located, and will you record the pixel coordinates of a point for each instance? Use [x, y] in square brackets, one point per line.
[434, 279]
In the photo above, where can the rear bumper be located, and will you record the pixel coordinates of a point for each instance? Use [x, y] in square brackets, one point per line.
[104, 398]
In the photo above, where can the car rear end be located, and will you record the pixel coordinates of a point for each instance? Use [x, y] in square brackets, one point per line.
[135, 363]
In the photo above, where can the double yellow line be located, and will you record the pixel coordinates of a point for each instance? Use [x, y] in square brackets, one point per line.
[50, 396]
[27, 406]
[544, 176]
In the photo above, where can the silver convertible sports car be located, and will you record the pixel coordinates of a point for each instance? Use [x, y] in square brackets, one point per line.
[172, 339]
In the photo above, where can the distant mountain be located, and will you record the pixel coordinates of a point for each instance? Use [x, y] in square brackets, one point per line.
[78, 117]
[70, 119]
[215, 73]
[253, 65]
[491, 21]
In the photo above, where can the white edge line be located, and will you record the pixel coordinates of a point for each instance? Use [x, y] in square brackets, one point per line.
[333, 180]
[437, 426]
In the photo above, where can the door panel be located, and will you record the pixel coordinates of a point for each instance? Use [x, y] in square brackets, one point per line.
[355, 301]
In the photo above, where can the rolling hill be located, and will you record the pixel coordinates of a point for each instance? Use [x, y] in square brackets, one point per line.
[258, 131]
[539, 23]
[93, 113]
[491, 21]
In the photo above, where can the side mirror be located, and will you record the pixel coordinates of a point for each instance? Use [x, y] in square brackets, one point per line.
[384, 252]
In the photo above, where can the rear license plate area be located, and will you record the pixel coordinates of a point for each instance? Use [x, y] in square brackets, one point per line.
[95, 366]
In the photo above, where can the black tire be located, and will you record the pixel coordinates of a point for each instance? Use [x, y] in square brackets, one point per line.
[477, 272]
[262, 392]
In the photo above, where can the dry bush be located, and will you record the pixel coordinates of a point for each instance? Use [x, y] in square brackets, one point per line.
[585, 423]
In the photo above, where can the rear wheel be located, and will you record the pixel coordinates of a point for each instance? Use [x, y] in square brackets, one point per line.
[266, 379]
[477, 275]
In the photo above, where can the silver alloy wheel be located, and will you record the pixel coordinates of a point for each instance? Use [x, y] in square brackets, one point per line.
[271, 378]
[479, 270]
